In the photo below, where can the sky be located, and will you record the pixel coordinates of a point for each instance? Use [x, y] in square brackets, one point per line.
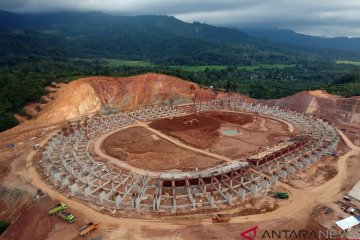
[315, 17]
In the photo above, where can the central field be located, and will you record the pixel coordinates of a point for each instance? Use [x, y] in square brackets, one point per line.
[140, 148]
[249, 133]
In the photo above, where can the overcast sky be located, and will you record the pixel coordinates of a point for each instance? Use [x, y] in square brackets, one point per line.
[316, 17]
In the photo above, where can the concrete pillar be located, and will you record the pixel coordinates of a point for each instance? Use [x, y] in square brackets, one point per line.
[65, 182]
[305, 162]
[45, 154]
[56, 177]
[273, 179]
[87, 191]
[210, 199]
[154, 202]
[193, 202]
[283, 174]
[135, 201]
[229, 197]
[242, 193]
[74, 189]
[117, 199]
[102, 196]
[253, 188]
[264, 184]
[49, 167]
[298, 165]
[291, 169]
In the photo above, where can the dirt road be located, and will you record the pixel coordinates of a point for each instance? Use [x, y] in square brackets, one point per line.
[301, 204]
[305, 200]
[98, 141]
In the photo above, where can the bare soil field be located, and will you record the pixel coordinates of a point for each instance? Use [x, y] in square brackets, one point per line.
[140, 148]
[254, 132]
[314, 175]
[35, 224]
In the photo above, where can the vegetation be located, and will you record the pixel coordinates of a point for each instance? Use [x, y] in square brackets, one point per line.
[3, 226]
[222, 67]
[25, 82]
[356, 63]
[37, 49]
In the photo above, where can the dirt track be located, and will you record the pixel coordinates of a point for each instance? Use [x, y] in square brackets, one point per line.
[139, 147]
[300, 206]
[98, 142]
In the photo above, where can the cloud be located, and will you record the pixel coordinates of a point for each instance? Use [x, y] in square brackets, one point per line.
[320, 17]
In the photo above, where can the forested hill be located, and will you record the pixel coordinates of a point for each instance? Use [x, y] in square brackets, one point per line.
[158, 39]
[291, 37]
[38, 49]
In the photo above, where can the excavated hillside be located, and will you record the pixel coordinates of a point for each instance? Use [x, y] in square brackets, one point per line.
[87, 95]
[322, 104]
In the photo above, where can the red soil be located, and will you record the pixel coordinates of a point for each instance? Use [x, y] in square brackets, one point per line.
[140, 148]
[205, 132]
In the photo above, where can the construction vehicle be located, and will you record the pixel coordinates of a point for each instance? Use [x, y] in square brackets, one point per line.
[66, 216]
[282, 195]
[57, 208]
[221, 218]
[85, 230]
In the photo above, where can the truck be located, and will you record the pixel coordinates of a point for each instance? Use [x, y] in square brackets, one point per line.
[221, 218]
[57, 208]
[85, 230]
[66, 216]
[282, 195]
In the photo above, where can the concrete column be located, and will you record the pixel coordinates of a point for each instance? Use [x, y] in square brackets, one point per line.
[135, 201]
[211, 200]
[229, 197]
[102, 196]
[193, 202]
[264, 184]
[87, 191]
[117, 199]
[291, 169]
[298, 165]
[283, 174]
[49, 168]
[56, 177]
[65, 182]
[74, 189]
[305, 162]
[242, 193]
[274, 179]
[253, 189]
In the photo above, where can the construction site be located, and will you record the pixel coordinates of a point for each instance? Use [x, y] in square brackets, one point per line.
[184, 183]
[194, 164]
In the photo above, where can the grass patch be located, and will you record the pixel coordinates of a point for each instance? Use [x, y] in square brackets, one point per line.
[356, 63]
[222, 67]
[120, 63]
[199, 68]
[268, 66]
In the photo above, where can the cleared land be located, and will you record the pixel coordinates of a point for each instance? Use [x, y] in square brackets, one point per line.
[255, 132]
[357, 63]
[141, 148]
[221, 67]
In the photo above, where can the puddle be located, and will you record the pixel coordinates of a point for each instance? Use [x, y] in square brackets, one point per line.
[230, 132]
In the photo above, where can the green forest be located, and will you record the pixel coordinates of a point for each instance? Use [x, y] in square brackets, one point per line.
[37, 49]
[27, 81]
